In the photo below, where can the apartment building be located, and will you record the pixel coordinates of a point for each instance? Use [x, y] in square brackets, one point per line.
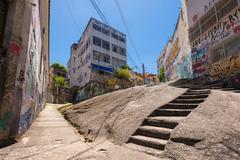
[214, 32]
[100, 50]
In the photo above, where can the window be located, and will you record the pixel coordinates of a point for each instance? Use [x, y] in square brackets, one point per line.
[106, 58]
[114, 48]
[118, 62]
[122, 51]
[105, 45]
[114, 36]
[101, 57]
[96, 55]
[85, 74]
[96, 27]
[105, 31]
[97, 41]
[121, 39]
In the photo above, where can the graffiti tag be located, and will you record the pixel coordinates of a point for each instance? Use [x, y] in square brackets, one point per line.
[224, 68]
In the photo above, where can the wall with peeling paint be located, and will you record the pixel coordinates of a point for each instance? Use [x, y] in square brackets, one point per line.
[25, 66]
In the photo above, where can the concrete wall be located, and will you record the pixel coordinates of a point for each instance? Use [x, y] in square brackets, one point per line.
[177, 52]
[25, 66]
[216, 50]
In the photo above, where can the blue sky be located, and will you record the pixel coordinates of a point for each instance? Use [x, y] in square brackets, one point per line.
[151, 23]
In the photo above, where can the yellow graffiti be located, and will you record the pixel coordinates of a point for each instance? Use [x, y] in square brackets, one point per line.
[227, 67]
[111, 82]
[174, 53]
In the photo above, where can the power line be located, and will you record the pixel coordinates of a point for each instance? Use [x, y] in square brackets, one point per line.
[99, 4]
[127, 28]
[71, 14]
[99, 12]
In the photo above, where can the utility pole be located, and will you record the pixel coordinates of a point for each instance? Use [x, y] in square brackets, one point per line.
[144, 81]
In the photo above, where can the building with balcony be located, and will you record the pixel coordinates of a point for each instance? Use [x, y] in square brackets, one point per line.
[100, 50]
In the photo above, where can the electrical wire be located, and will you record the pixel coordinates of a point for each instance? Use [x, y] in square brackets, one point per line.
[99, 12]
[128, 31]
[71, 14]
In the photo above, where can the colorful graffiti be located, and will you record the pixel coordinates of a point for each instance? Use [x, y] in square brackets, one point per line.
[222, 30]
[185, 67]
[199, 62]
[173, 54]
[225, 68]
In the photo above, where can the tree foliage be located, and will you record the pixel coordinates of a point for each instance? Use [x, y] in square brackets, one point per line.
[161, 75]
[60, 81]
[59, 66]
[123, 74]
[126, 67]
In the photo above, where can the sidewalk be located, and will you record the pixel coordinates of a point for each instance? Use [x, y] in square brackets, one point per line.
[51, 137]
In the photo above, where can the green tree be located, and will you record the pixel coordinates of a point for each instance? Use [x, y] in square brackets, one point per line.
[59, 66]
[60, 81]
[161, 75]
[126, 67]
[123, 74]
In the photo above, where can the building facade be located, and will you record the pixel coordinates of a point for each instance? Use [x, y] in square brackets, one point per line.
[100, 50]
[214, 32]
[175, 58]
[24, 62]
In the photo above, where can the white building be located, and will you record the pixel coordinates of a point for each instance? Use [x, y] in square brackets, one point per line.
[100, 50]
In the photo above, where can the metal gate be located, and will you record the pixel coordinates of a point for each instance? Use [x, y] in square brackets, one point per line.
[3, 15]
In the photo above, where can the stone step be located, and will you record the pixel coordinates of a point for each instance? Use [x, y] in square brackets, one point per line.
[196, 92]
[188, 101]
[179, 106]
[193, 96]
[151, 151]
[167, 122]
[154, 132]
[148, 142]
[171, 112]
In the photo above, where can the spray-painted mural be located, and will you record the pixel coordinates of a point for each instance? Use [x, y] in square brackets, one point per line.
[178, 62]
[22, 93]
[218, 34]
[33, 94]
[185, 66]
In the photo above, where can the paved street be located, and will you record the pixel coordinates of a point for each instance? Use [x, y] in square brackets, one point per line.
[51, 137]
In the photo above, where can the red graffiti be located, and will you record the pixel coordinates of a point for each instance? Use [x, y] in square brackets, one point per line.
[15, 48]
[237, 29]
[195, 18]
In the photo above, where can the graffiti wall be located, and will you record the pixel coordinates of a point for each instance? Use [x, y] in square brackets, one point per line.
[225, 63]
[197, 8]
[34, 82]
[23, 87]
[178, 62]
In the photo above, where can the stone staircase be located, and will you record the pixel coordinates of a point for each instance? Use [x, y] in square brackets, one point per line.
[154, 133]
